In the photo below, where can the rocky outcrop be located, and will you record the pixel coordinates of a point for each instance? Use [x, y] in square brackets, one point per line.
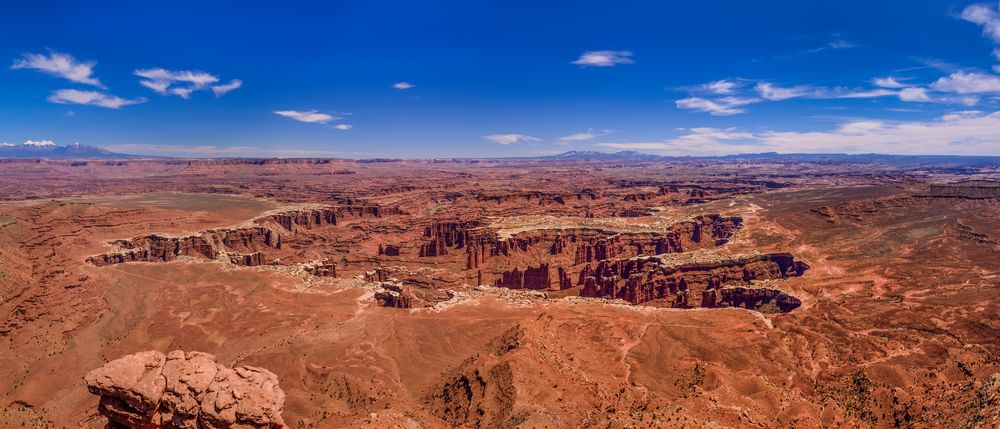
[388, 250]
[454, 234]
[210, 244]
[764, 300]
[315, 218]
[535, 198]
[393, 295]
[185, 391]
[641, 280]
[481, 392]
[435, 247]
[324, 268]
[588, 245]
[973, 189]
[265, 234]
[247, 260]
[536, 278]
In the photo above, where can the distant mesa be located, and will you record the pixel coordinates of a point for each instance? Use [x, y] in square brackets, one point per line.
[47, 149]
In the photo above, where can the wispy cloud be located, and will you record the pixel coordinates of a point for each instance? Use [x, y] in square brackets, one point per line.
[724, 106]
[721, 87]
[307, 116]
[92, 98]
[403, 85]
[343, 127]
[959, 133]
[769, 91]
[589, 135]
[184, 82]
[706, 96]
[220, 90]
[889, 82]
[61, 65]
[604, 58]
[507, 139]
[837, 43]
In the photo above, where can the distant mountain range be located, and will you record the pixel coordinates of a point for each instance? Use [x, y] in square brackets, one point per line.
[589, 154]
[49, 150]
[46, 149]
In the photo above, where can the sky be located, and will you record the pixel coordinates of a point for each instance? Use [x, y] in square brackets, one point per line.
[364, 79]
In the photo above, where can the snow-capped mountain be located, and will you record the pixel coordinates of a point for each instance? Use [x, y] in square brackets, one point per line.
[50, 150]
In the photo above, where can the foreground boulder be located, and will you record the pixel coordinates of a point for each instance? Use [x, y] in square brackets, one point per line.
[185, 391]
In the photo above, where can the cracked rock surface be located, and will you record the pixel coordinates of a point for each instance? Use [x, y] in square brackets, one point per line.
[185, 390]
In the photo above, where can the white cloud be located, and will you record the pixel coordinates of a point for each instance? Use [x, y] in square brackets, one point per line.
[959, 133]
[507, 139]
[724, 106]
[183, 83]
[307, 116]
[403, 85]
[604, 58]
[854, 93]
[589, 135]
[986, 16]
[914, 94]
[889, 82]
[220, 90]
[721, 87]
[968, 83]
[342, 127]
[61, 65]
[92, 98]
[773, 93]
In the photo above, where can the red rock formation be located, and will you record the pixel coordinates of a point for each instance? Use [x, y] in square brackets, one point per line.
[530, 278]
[209, 245]
[388, 250]
[590, 245]
[435, 247]
[315, 218]
[379, 274]
[454, 234]
[212, 243]
[393, 295]
[535, 198]
[646, 279]
[185, 390]
[564, 281]
[324, 268]
[761, 299]
[247, 260]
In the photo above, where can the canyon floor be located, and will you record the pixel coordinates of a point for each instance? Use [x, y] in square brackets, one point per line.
[516, 293]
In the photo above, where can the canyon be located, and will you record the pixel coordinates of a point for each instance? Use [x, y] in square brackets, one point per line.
[613, 293]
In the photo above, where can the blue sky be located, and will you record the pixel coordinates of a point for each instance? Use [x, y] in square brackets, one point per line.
[465, 79]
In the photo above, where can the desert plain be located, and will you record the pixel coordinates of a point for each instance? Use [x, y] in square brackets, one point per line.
[610, 293]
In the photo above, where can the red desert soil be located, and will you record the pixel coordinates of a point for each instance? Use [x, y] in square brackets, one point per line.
[434, 294]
